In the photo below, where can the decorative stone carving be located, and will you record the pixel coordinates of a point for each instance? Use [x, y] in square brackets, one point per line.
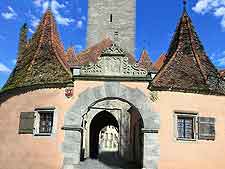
[113, 62]
[114, 50]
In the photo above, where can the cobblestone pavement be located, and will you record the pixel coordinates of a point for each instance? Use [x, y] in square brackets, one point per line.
[107, 161]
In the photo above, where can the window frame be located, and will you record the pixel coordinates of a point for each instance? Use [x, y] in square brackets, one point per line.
[186, 114]
[37, 113]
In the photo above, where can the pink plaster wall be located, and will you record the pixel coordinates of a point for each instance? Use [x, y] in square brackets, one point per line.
[28, 152]
[195, 154]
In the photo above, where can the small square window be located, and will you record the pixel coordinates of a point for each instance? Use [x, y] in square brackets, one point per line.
[44, 122]
[186, 126]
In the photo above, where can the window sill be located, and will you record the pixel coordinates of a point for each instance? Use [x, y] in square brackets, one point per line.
[187, 140]
[43, 134]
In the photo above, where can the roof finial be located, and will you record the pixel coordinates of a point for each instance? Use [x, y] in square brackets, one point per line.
[49, 5]
[185, 3]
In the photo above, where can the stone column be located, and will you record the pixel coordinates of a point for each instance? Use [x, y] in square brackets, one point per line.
[151, 149]
[72, 148]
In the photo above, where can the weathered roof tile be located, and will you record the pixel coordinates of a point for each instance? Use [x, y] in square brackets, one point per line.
[145, 61]
[160, 62]
[186, 66]
[43, 60]
[93, 53]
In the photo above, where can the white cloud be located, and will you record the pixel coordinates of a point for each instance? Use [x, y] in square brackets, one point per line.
[45, 6]
[79, 24]
[220, 11]
[10, 14]
[4, 68]
[31, 30]
[37, 2]
[55, 6]
[59, 18]
[214, 7]
[34, 21]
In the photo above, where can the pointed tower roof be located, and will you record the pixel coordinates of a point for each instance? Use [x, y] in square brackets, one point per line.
[44, 61]
[160, 62]
[186, 67]
[145, 61]
[70, 56]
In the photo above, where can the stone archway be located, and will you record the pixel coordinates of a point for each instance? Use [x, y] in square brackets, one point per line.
[126, 118]
[72, 146]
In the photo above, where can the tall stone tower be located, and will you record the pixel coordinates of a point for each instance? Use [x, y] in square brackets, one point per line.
[115, 19]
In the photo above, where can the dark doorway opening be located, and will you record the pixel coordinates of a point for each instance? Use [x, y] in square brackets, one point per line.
[100, 121]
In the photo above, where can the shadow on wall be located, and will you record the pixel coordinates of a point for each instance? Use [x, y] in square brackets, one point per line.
[113, 159]
[6, 94]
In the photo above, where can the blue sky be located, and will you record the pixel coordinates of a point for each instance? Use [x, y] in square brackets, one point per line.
[155, 25]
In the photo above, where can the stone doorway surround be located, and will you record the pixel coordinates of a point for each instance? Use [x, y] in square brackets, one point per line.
[129, 123]
[73, 122]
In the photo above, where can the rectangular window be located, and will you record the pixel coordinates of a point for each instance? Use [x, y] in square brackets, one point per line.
[206, 128]
[111, 19]
[46, 122]
[26, 124]
[190, 126]
[185, 127]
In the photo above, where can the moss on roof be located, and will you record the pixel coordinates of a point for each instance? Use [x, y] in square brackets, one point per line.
[187, 67]
[43, 59]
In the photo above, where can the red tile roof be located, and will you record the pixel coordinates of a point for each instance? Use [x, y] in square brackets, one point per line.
[43, 61]
[160, 62]
[186, 66]
[145, 61]
[92, 54]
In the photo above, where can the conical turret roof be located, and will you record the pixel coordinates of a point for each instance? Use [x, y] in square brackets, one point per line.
[145, 61]
[186, 67]
[44, 59]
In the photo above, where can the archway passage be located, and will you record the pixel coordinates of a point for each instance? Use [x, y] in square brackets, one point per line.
[100, 121]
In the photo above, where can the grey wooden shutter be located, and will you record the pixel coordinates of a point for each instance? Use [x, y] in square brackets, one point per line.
[26, 123]
[206, 128]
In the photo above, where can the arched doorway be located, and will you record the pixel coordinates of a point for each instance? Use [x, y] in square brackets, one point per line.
[100, 121]
[123, 116]
[95, 100]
